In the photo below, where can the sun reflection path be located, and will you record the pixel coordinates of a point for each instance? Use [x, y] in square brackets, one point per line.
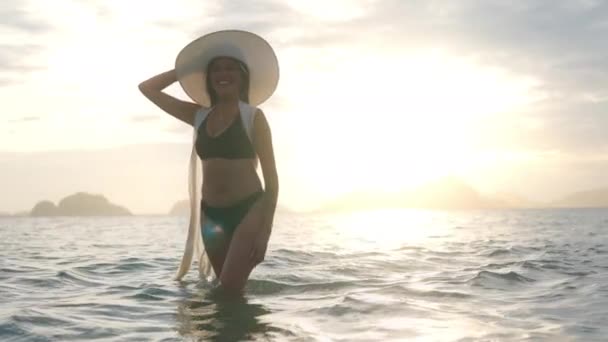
[387, 229]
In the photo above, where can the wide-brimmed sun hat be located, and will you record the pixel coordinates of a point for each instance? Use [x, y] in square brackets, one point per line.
[249, 48]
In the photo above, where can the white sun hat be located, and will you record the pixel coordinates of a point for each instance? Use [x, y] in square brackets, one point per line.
[249, 48]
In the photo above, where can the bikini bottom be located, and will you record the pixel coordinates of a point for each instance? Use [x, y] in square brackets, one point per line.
[226, 218]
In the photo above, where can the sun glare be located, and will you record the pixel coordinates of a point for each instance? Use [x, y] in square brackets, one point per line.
[353, 116]
[385, 229]
[390, 124]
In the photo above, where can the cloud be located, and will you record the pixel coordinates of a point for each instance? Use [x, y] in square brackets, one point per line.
[569, 126]
[14, 62]
[21, 28]
[179, 128]
[12, 56]
[560, 43]
[4, 81]
[14, 15]
[270, 19]
[25, 119]
[144, 118]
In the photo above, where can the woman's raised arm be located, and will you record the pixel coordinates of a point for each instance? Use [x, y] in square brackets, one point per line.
[153, 90]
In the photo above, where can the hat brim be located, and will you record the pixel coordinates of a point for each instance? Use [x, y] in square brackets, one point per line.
[191, 64]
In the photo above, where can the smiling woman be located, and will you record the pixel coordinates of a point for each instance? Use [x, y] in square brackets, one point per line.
[227, 74]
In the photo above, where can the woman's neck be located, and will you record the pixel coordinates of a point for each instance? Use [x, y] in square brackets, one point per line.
[227, 105]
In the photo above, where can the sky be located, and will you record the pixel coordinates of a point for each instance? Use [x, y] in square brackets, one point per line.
[374, 95]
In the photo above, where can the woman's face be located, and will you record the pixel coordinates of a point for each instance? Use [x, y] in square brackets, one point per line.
[225, 76]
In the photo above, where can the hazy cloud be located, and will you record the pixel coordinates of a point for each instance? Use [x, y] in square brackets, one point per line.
[144, 118]
[19, 20]
[15, 15]
[12, 56]
[5, 81]
[179, 128]
[561, 43]
[25, 119]
[570, 126]
[562, 40]
[14, 62]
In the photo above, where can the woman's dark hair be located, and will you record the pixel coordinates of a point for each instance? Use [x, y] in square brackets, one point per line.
[244, 93]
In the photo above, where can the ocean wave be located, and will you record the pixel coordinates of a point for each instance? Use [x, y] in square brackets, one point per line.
[489, 277]
[152, 293]
[498, 252]
[122, 267]
[14, 332]
[39, 282]
[75, 278]
[268, 287]
[346, 306]
[521, 282]
[142, 296]
[18, 269]
[33, 317]
[439, 294]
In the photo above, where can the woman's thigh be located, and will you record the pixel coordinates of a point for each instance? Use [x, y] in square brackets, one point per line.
[238, 264]
[216, 243]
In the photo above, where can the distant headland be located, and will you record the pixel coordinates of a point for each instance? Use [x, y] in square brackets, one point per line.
[180, 208]
[447, 193]
[79, 204]
[443, 194]
[453, 193]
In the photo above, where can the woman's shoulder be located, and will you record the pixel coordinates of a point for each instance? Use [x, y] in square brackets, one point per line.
[200, 115]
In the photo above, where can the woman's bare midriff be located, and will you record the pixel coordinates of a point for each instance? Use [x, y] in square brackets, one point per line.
[227, 181]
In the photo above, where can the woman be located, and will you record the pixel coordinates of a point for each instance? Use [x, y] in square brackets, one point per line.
[225, 73]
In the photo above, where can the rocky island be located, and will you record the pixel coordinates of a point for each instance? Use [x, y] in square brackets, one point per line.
[79, 204]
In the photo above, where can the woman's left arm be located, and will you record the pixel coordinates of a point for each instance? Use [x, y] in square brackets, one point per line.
[263, 146]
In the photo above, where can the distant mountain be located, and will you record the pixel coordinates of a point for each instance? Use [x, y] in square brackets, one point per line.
[445, 193]
[515, 201]
[597, 198]
[45, 208]
[180, 208]
[79, 204]
[451, 193]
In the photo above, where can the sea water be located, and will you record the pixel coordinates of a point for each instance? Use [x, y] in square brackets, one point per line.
[385, 275]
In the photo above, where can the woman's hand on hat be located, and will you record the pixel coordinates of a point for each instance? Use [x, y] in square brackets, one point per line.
[152, 88]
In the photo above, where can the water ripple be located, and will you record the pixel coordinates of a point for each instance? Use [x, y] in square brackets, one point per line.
[491, 275]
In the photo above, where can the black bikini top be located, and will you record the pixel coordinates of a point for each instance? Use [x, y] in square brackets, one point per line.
[232, 143]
